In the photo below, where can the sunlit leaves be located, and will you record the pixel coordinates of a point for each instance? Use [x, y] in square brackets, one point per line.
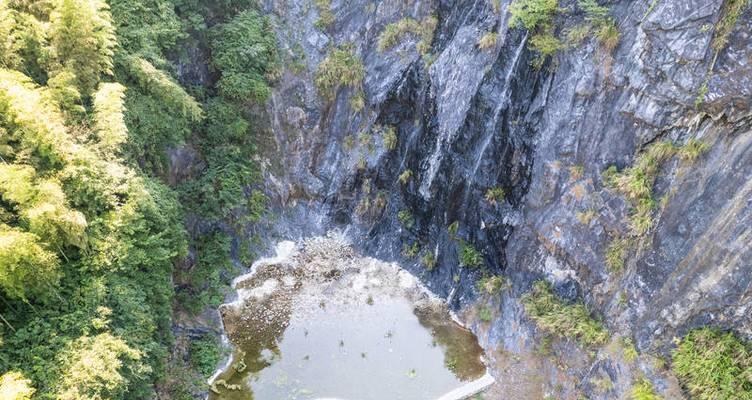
[14, 386]
[108, 117]
[83, 39]
[32, 121]
[25, 266]
[157, 83]
[93, 368]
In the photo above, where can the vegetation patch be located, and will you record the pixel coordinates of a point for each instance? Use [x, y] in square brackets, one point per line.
[629, 349]
[326, 17]
[389, 137]
[538, 17]
[492, 285]
[636, 183]
[712, 364]
[406, 218]
[557, 317]
[585, 217]
[488, 41]
[395, 32]
[602, 24]
[428, 261]
[469, 255]
[692, 150]
[485, 314]
[411, 250]
[341, 67]
[245, 51]
[495, 195]
[357, 101]
[205, 354]
[89, 234]
[405, 176]
[643, 390]
[730, 12]
[616, 254]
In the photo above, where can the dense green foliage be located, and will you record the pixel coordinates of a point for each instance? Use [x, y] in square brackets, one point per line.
[537, 16]
[205, 354]
[88, 234]
[533, 14]
[244, 50]
[555, 316]
[712, 364]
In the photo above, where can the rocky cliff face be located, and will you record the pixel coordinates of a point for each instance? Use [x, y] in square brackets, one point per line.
[469, 119]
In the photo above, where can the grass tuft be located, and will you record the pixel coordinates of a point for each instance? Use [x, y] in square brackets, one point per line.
[341, 67]
[411, 251]
[616, 254]
[730, 13]
[428, 261]
[326, 17]
[406, 218]
[395, 32]
[643, 390]
[712, 364]
[389, 137]
[636, 183]
[405, 176]
[488, 41]
[495, 195]
[469, 255]
[557, 317]
[692, 150]
[585, 217]
[629, 349]
[485, 314]
[491, 285]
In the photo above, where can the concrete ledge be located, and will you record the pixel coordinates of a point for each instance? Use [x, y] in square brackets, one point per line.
[469, 389]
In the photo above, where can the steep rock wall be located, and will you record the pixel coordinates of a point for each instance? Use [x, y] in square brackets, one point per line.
[469, 119]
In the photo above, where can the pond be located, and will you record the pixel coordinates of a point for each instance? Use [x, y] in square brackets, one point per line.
[321, 322]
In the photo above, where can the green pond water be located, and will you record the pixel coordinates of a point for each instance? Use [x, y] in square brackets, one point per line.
[354, 332]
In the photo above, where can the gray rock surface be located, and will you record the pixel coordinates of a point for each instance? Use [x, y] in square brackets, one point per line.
[482, 118]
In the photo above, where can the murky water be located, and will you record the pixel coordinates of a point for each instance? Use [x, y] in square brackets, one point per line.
[324, 323]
